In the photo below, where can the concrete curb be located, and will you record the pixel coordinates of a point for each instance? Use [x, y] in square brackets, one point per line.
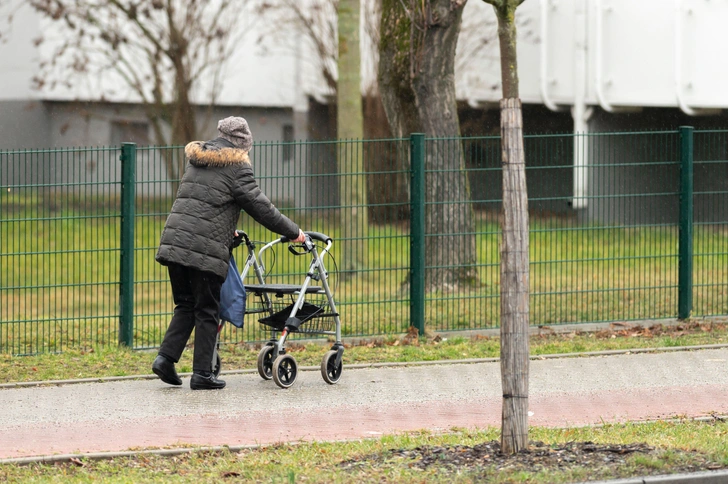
[705, 477]
[52, 459]
[587, 354]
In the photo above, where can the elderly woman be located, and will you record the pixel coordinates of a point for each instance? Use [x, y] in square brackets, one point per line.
[196, 244]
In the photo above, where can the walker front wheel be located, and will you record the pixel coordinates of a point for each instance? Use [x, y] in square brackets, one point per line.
[330, 371]
[265, 362]
[285, 371]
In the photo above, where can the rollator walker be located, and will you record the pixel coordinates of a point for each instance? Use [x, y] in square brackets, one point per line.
[308, 308]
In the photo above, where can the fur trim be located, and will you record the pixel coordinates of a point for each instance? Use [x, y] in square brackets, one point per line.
[224, 156]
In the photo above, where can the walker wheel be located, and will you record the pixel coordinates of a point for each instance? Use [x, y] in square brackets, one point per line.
[329, 369]
[218, 366]
[265, 362]
[285, 370]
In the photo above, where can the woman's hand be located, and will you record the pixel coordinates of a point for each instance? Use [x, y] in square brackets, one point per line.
[301, 237]
[237, 239]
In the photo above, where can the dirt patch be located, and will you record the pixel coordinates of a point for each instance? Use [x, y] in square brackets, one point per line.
[602, 461]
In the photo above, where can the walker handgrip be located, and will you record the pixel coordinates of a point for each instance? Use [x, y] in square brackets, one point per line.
[238, 239]
[314, 235]
[319, 236]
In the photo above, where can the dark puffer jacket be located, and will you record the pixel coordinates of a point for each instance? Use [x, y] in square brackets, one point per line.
[218, 183]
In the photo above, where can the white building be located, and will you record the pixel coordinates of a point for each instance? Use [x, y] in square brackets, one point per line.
[618, 56]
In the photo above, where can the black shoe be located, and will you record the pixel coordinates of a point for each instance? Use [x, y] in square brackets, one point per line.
[207, 381]
[164, 369]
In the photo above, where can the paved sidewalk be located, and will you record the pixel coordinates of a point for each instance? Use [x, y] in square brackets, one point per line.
[136, 414]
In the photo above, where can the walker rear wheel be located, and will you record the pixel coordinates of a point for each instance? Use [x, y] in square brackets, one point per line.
[285, 371]
[265, 362]
[330, 371]
[218, 365]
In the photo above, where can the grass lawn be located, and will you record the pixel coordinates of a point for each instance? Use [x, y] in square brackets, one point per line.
[61, 291]
[116, 361]
[460, 456]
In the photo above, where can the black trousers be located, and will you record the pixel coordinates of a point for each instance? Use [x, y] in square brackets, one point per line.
[196, 304]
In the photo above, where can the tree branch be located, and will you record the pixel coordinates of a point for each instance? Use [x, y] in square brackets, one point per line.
[148, 34]
[326, 58]
[497, 3]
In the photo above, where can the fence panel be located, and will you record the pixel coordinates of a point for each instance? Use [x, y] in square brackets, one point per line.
[155, 189]
[611, 254]
[710, 246]
[59, 249]
[302, 180]
[462, 233]
[612, 258]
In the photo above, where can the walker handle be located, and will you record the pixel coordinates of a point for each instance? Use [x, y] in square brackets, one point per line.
[319, 236]
[314, 235]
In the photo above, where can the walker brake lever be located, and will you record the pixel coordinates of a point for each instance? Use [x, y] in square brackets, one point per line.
[306, 245]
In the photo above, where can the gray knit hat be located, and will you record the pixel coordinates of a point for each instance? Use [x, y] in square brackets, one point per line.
[236, 131]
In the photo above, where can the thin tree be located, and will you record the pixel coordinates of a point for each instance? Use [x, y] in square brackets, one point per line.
[514, 248]
[163, 51]
[417, 82]
[331, 29]
[350, 131]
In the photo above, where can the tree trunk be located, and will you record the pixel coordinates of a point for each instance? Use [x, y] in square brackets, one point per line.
[395, 89]
[514, 249]
[417, 62]
[349, 128]
[450, 245]
[184, 123]
[387, 178]
[395, 69]
[514, 282]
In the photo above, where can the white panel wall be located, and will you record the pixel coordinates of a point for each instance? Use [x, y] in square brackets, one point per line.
[656, 53]
[17, 53]
[704, 63]
[554, 54]
[257, 74]
[663, 53]
[633, 51]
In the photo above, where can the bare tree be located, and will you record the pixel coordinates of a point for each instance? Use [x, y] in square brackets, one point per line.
[350, 130]
[514, 249]
[166, 53]
[417, 82]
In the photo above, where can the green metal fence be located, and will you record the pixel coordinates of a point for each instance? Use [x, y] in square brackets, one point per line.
[624, 226]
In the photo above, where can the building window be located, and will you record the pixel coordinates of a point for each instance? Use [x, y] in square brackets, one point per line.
[288, 142]
[129, 132]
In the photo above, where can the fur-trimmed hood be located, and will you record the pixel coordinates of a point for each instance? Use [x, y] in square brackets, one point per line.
[216, 152]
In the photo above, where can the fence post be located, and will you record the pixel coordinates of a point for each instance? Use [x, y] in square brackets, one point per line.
[417, 232]
[126, 262]
[685, 238]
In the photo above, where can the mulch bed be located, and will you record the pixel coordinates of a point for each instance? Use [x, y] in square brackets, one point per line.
[600, 459]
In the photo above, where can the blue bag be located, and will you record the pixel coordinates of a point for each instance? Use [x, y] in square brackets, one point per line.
[232, 296]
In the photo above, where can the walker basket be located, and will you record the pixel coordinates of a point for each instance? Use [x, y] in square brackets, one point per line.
[314, 318]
